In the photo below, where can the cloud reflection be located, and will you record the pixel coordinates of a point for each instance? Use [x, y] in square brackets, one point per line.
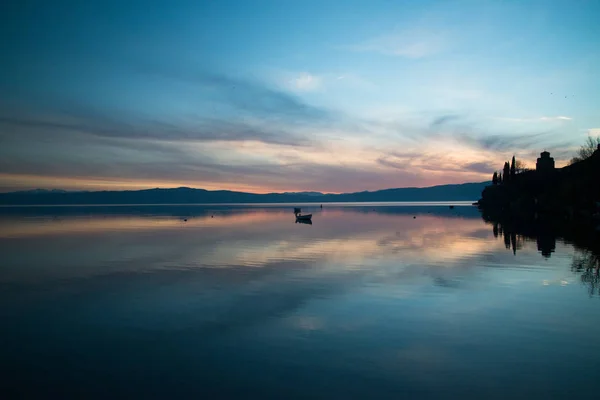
[341, 239]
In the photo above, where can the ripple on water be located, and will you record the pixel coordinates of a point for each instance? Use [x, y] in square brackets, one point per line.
[366, 302]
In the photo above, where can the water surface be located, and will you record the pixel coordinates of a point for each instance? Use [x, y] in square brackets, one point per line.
[377, 301]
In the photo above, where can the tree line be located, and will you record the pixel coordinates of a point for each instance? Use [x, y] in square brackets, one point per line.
[587, 149]
[517, 166]
[509, 171]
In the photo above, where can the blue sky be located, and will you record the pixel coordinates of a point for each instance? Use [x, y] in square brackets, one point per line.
[286, 95]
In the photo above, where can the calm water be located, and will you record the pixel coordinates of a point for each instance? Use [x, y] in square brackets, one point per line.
[239, 302]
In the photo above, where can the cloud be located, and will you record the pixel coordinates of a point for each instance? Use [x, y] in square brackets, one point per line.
[503, 142]
[203, 130]
[405, 155]
[536, 119]
[244, 94]
[252, 111]
[559, 118]
[243, 153]
[100, 162]
[405, 161]
[392, 164]
[482, 167]
[302, 82]
[473, 147]
[306, 82]
[444, 119]
[407, 44]
[190, 171]
[427, 162]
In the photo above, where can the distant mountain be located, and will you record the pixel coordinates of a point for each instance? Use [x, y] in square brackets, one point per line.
[305, 193]
[461, 192]
[42, 191]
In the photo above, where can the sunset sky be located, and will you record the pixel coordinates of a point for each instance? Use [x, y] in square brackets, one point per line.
[285, 95]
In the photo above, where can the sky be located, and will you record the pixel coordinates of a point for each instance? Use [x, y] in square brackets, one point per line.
[284, 95]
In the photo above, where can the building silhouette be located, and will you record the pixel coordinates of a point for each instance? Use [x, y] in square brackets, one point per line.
[545, 163]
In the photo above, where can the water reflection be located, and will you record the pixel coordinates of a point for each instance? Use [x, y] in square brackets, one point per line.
[355, 237]
[304, 221]
[585, 240]
[369, 301]
[587, 263]
[545, 240]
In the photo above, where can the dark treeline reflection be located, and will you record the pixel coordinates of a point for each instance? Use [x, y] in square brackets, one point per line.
[587, 263]
[546, 232]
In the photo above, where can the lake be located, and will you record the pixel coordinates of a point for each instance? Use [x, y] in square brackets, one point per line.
[370, 301]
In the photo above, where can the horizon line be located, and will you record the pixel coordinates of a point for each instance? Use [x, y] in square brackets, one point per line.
[235, 191]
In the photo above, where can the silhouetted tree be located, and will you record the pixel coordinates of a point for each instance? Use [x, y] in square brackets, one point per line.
[500, 178]
[520, 167]
[512, 168]
[588, 148]
[495, 178]
[506, 172]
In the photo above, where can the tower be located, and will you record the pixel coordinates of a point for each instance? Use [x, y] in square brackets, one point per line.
[545, 163]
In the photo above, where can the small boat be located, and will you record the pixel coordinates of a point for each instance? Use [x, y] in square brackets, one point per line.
[305, 217]
[302, 221]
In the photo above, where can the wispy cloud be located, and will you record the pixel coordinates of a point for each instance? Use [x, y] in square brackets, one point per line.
[256, 153]
[536, 119]
[188, 131]
[559, 118]
[481, 167]
[306, 82]
[253, 111]
[409, 44]
[477, 143]
[301, 82]
[244, 94]
[503, 142]
[444, 119]
[427, 164]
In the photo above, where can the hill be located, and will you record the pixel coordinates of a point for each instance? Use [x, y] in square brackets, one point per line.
[569, 192]
[459, 192]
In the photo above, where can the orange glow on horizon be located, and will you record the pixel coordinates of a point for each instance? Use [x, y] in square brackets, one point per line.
[26, 182]
[14, 182]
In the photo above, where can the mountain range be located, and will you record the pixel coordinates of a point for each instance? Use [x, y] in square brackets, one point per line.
[184, 195]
